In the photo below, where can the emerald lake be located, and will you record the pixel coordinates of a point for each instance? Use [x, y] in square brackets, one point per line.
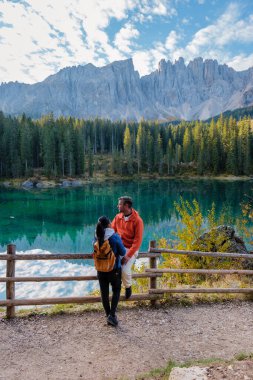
[63, 220]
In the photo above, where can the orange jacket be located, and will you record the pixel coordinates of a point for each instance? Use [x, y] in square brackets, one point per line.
[130, 231]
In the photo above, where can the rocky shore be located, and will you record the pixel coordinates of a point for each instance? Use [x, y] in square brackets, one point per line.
[44, 183]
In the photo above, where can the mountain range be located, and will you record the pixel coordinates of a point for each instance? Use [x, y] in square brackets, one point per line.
[199, 90]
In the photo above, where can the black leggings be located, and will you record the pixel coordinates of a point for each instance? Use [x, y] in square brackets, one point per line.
[113, 278]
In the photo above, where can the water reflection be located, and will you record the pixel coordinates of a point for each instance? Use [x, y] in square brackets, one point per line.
[62, 220]
[43, 268]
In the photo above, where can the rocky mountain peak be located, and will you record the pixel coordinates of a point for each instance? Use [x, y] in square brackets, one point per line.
[200, 89]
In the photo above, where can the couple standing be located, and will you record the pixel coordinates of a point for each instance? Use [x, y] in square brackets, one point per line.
[120, 240]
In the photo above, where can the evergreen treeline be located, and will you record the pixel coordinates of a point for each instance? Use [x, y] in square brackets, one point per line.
[237, 114]
[74, 147]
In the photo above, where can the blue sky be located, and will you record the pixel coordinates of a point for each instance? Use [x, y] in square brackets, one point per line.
[40, 37]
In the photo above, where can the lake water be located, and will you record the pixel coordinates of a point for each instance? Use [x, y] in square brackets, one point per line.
[63, 221]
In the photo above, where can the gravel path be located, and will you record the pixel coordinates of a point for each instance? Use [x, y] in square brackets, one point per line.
[81, 345]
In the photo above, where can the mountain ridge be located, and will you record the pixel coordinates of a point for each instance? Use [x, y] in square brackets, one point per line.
[199, 90]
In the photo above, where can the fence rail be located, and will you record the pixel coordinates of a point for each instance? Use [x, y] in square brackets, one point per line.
[65, 256]
[234, 255]
[151, 273]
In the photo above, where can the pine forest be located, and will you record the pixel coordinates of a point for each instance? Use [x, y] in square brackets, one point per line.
[76, 147]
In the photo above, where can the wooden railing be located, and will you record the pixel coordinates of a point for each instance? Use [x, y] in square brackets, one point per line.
[11, 257]
[201, 271]
[152, 273]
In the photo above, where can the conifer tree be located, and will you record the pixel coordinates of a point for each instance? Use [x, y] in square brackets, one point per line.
[158, 154]
[201, 158]
[178, 155]
[128, 150]
[150, 152]
[213, 142]
[140, 146]
[187, 145]
[26, 145]
[170, 155]
[232, 152]
[90, 160]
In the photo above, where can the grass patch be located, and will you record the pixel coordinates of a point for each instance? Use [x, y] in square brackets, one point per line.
[163, 372]
[159, 373]
[243, 356]
[58, 309]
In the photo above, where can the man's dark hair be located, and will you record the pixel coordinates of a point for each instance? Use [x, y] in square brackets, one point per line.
[126, 200]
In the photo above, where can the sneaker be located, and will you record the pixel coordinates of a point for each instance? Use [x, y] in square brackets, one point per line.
[128, 292]
[112, 320]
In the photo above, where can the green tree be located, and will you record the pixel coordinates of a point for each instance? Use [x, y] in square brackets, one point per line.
[187, 145]
[150, 152]
[128, 150]
[26, 148]
[90, 161]
[158, 154]
[170, 155]
[140, 146]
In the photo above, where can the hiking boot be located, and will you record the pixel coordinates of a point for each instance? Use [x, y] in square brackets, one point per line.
[128, 292]
[112, 320]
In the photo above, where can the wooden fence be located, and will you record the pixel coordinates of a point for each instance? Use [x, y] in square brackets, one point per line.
[152, 273]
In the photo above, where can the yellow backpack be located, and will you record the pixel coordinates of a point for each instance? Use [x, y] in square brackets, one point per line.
[104, 257]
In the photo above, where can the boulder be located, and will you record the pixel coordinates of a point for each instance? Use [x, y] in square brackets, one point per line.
[6, 184]
[77, 183]
[28, 184]
[45, 184]
[191, 373]
[223, 239]
[66, 183]
[220, 239]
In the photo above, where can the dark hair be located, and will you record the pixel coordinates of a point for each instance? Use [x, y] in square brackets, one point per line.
[126, 200]
[103, 223]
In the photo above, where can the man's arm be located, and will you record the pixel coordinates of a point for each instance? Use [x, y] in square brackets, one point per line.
[137, 238]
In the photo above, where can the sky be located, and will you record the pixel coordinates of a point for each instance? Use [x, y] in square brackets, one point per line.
[40, 37]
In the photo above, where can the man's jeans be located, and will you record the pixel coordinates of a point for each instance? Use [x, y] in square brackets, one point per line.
[127, 270]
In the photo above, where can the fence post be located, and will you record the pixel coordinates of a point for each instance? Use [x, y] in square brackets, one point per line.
[152, 264]
[10, 285]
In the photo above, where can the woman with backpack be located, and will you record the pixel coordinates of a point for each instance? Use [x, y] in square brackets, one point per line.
[107, 251]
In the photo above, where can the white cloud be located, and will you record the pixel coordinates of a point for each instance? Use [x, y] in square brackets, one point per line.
[241, 62]
[226, 30]
[147, 61]
[143, 62]
[171, 40]
[123, 39]
[49, 35]
[159, 7]
[185, 21]
[38, 38]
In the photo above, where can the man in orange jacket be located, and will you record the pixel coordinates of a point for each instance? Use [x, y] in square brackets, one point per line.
[129, 225]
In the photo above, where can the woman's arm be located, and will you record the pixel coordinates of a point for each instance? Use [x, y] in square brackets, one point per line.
[120, 247]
